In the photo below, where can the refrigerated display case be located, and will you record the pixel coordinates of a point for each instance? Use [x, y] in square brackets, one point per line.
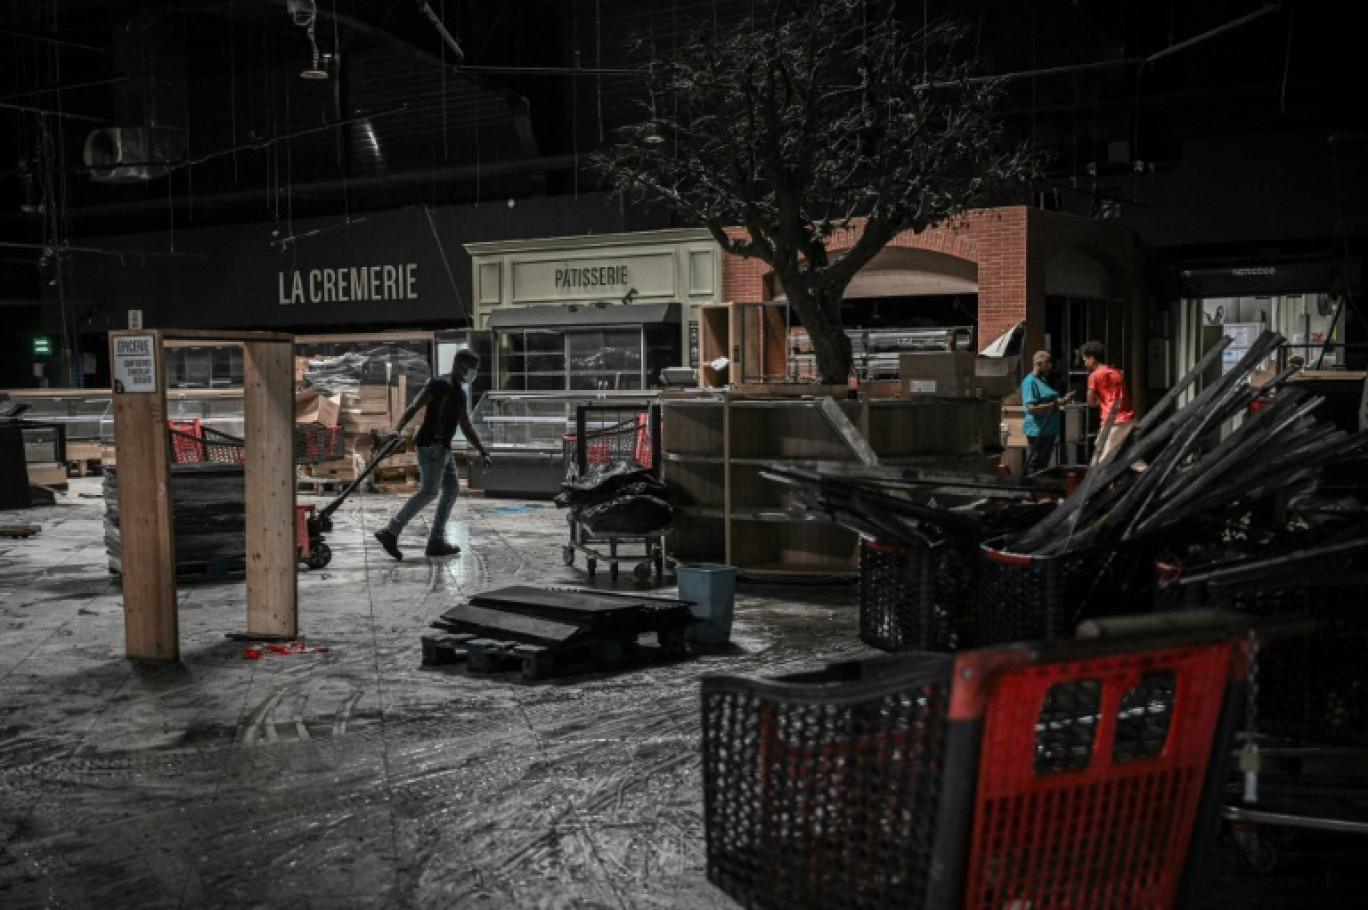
[584, 347]
[876, 352]
[526, 434]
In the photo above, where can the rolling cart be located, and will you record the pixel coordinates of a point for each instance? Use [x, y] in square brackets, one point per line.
[650, 556]
[614, 433]
[311, 524]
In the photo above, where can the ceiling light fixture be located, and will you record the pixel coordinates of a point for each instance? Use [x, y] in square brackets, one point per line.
[304, 13]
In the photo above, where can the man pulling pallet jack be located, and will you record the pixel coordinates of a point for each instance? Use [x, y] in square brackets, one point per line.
[447, 408]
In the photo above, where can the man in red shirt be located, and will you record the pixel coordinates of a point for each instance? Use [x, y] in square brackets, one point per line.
[1107, 391]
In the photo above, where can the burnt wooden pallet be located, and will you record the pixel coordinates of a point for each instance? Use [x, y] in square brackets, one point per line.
[492, 655]
[320, 485]
[550, 631]
[204, 570]
[596, 610]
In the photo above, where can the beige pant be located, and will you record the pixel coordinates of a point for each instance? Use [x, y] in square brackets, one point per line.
[1117, 433]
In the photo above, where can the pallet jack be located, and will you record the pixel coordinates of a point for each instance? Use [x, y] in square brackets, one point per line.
[311, 523]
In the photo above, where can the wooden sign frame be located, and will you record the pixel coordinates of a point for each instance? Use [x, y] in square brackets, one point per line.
[146, 530]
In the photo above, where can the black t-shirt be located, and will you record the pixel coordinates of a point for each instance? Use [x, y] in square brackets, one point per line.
[444, 410]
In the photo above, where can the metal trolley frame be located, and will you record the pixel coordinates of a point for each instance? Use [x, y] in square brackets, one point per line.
[608, 432]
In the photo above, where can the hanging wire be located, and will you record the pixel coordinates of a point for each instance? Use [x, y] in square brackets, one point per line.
[343, 131]
[598, 65]
[574, 103]
[59, 216]
[289, 165]
[446, 152]
[189, 171]
[232, 83]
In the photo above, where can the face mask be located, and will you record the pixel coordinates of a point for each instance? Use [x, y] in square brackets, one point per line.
[469, 374]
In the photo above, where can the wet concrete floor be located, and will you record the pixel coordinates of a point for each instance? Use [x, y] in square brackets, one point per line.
[357, 777]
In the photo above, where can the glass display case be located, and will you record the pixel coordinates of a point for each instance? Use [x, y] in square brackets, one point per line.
[79, 411]
[82, 420]
[876, 352]
[203, 366]
[526, 433]
[584, 348]
[606, 359]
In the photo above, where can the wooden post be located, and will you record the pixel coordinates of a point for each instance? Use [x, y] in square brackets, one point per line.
[272, 569]
[146, 534]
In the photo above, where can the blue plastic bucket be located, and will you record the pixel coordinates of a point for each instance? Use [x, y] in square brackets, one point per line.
[712, 591]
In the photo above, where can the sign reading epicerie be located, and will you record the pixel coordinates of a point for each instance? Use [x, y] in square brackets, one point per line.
[135, 364]
[350, 284]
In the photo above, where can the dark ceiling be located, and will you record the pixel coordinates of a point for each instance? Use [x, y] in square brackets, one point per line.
[120, 116]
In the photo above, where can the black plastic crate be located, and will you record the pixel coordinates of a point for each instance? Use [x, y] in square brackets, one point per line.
[821, 789]
[1027, 597]
[918, 598]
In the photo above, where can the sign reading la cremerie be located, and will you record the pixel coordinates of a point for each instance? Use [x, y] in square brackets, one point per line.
[350, 284]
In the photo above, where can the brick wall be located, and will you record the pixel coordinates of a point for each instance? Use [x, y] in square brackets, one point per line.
[1012, 248]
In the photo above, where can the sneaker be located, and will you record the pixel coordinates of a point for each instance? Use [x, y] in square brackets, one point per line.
[442, 548]
[390, 543]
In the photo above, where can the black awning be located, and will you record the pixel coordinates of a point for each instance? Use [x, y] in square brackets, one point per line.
[584, 315]
[1261, 277]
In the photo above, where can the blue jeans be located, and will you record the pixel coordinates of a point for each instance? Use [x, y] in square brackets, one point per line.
[436, 472]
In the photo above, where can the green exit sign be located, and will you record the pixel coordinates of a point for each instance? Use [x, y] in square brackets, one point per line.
[42, 346]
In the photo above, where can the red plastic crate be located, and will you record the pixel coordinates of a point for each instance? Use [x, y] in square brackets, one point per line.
[1091, 772]
[187, 441]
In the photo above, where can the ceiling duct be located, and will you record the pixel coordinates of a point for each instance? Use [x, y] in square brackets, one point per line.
[129, 154]
[150, 120]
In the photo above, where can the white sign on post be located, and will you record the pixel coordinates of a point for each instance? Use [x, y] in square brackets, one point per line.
[135, 319]
[135, 363]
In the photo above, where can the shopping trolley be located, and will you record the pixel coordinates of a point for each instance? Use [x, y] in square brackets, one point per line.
[1069, 773]
[1303, 760]
[609, 433]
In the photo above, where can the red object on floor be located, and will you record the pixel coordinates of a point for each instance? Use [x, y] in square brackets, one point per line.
[297, 646]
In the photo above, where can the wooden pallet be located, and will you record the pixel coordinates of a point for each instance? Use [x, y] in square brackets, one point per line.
[211, 570]
[320, 485]
[491, 655]
[19, 530]
[546, 632]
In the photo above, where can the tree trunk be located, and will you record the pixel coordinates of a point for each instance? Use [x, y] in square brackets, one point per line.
[821, 316]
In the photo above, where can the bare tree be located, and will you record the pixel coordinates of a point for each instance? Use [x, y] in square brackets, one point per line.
[804, 118]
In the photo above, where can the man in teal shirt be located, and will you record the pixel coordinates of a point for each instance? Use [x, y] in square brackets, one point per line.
[1041, 405]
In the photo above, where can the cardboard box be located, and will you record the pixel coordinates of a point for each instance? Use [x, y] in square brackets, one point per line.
[374, 399]
[311, 407]
[47, 475]
[335, 469]
[944, 374]
[997, 377]
[355, 422]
